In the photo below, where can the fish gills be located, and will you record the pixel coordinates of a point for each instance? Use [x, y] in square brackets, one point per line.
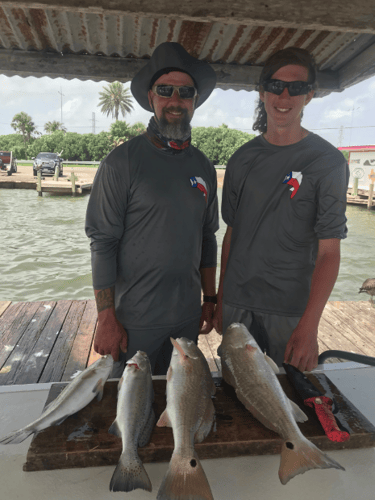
[190, 413]
[253, 377]
[134, 423]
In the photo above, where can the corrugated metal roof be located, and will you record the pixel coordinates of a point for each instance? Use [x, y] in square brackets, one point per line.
[108, 34]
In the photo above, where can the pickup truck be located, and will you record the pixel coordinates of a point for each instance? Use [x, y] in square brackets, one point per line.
[8, 163]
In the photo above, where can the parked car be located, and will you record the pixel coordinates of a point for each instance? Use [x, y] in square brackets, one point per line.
[8, 163]
[48, 163]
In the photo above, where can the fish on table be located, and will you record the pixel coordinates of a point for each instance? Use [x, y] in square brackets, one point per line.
[75, 396]
[190, 412]
[135, 420]
[253, 376]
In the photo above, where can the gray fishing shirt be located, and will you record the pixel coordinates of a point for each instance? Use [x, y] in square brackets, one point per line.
[152, 218]
[280, 201]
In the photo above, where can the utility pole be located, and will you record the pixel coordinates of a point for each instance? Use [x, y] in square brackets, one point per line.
[93, 123]
[341, 135]
[61, 103]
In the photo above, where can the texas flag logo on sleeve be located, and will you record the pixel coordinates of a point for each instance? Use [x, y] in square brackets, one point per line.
[294, 179]
[198, 182]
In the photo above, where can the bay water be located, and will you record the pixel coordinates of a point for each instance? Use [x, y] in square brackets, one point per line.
[45, 254]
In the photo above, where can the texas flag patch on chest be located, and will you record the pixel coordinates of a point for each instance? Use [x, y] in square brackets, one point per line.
[294, 179]
[198, 182]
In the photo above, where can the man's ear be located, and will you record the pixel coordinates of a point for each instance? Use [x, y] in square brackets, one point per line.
[309, 96]
[149, 99]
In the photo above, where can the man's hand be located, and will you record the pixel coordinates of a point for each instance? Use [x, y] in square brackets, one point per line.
[205, 324]
[302, 348]
[110, 337]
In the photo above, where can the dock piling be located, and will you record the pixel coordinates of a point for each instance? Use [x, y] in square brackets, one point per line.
[355, 186]
[39, 182]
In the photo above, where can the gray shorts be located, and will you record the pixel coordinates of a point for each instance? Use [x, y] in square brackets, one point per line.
[156, 344]
[270, 331]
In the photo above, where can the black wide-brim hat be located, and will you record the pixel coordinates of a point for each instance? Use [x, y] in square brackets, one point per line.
[173, 57]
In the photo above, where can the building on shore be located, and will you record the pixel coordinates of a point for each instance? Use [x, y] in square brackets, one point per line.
[361, 165]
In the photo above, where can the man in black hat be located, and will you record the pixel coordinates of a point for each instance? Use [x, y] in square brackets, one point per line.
[284, 200]
[152, 218]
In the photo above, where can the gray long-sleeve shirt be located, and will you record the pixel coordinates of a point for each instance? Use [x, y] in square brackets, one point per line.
[152, 218]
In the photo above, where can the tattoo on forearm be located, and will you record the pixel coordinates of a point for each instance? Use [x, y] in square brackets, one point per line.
[105, 299]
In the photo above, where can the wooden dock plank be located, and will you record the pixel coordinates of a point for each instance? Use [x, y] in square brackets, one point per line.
[350, 330]
[214, 340]
[331, 338]
[58, 359]
[35, 364]
[24, 354]
[93, 355]
[80, 352]
[14, 322]
[205, 348]
[4, 304]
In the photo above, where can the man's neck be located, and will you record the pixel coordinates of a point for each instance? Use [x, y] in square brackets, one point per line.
[282, 136]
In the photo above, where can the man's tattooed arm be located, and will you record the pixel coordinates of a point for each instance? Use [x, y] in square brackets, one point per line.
[105, 299]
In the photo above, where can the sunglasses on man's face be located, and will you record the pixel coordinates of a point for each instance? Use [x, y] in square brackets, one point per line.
[294, 88]
[185, 91]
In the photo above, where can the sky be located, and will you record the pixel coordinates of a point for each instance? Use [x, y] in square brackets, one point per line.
[352, 109]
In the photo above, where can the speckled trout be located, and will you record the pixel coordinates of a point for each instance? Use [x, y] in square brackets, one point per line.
[75, 396]
[135, 420]
[190, 413]
[252, 374]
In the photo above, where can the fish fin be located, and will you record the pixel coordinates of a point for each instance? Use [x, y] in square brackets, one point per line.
[115, 429]
[130, 475]
[169, 373]
[206, 424]
[250, 348]
[99, 389]
[164, 420]
[272, 364]
[298, 414]
[256, 413]
[144, 438]
[185, 479]
[16, 437]
[300, 456]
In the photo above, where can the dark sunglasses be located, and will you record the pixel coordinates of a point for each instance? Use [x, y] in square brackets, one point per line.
[294, 88]
[185, 91]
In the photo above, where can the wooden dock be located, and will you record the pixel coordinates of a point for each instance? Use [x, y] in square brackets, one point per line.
[51, 341]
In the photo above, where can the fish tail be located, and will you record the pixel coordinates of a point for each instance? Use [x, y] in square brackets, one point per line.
[300, 455]
[16, 437]
[185, 479]
[130, 475]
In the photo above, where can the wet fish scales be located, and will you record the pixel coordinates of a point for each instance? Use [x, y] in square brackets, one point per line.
[135, 420]
[75, 396]
[190, 413]
[252, 374]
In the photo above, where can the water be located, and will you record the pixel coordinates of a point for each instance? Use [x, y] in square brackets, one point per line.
[45, 254]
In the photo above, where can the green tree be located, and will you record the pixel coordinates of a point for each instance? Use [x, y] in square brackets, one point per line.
[51, 127]
[219, 143]
[23, 124]
[115, 98]
[346, 155]
[120, 131]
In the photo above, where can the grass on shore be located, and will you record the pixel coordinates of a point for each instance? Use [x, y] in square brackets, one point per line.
[65, 165]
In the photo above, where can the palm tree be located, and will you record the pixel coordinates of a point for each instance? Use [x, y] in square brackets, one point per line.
[23, 124]
[115, 98]
[51, 127]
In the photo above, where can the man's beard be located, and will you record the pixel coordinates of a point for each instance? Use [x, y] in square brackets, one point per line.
[177, 131]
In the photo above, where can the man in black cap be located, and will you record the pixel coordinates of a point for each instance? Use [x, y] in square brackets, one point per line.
[152, 218]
